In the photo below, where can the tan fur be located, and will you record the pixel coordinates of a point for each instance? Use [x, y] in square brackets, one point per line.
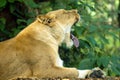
[34, 51]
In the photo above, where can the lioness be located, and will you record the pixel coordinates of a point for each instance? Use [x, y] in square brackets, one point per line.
[34, 51]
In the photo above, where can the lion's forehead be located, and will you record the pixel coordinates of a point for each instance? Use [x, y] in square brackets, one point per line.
[61, 11]
[57, 11]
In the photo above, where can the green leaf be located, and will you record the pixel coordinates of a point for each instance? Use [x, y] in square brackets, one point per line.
[115, 70]
[30, 3]
[3, 20]
[103, 38]
[92, 8]
[91, 40]
[103, 60]
[79, 30]
[19, 21]
[86, 64]
[2, 3]
[20, 0]
[2, 23]
[12, 8]
[2, 27]
[113, 35]
[29, 21]
[11, 1]
[84, 44]
[16, 30]
[93, 28]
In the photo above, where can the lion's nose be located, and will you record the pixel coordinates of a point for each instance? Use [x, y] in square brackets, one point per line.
[75, 12]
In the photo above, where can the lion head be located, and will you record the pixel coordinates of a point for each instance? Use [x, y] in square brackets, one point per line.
[61, 22]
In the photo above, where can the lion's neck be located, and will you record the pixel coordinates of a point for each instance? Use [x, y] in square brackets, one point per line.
[37, 32]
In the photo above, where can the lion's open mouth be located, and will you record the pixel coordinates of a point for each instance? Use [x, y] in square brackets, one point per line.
[75, 40]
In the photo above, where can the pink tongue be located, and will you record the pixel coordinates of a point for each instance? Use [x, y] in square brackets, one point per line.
[75, 40]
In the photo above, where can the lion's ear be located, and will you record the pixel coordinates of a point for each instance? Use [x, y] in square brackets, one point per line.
[44, 19]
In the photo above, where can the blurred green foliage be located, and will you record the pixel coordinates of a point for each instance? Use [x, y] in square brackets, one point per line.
[97, 31]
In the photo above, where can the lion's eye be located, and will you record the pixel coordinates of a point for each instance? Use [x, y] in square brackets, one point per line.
[49, 21]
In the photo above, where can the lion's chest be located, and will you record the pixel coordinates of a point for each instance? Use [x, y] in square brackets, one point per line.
[59, 62]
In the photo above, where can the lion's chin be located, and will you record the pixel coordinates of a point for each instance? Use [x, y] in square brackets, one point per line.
[69, 44]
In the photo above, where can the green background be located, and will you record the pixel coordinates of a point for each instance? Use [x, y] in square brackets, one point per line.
[98, 31]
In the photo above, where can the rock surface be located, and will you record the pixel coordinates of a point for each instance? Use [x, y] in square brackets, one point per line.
[107, 78]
